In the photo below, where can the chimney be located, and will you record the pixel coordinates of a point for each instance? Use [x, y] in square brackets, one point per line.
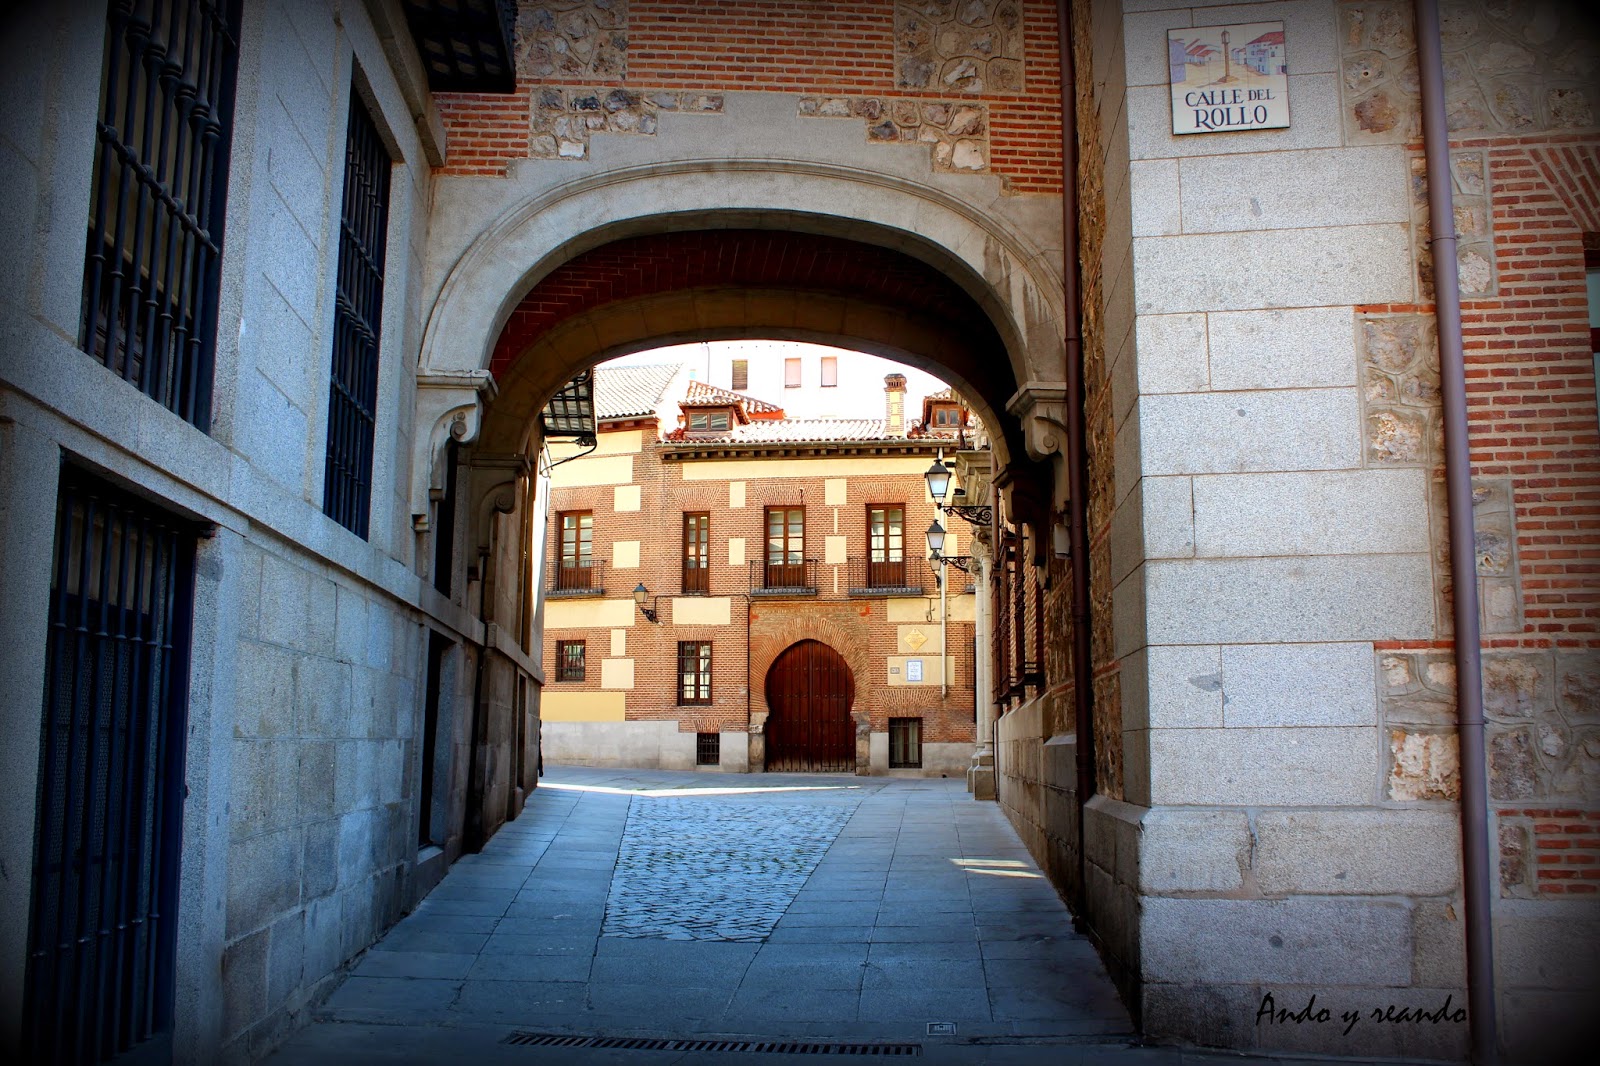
[894, 392]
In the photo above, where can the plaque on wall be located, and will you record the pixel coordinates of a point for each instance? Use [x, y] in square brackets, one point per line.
[1228, 78]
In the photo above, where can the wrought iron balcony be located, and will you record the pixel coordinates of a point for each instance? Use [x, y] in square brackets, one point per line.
[878, 577]
[783, 579]
[585, 577]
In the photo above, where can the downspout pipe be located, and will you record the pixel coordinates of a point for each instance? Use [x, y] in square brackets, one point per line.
[1077, 451]
[1475, 872]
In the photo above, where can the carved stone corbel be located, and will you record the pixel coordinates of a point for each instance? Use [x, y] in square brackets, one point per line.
[494, 490]
[1041, 407]
[450, 404]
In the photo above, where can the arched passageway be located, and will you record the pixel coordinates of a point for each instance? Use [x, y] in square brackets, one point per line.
[595, 270]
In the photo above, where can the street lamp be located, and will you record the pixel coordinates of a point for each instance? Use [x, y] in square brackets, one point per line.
[640, 593]
[938, 477]
[936, 538]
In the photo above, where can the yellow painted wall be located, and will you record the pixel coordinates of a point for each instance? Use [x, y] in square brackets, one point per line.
[625, 498]
[834, 491]
[913, 608]
[833, 550]
[625, 555]
[619, 643]
[929, 644]
[735, 492]
[588, 614]
[593, 470]
[558, 706]
[735, 551]
[702, 610]
[749, 469]
[616, 673]
[962, 607]
[930, 670]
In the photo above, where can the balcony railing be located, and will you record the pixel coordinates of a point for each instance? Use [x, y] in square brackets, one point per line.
[877, 577]
[696, 578]
[586, 577]
[783, 579]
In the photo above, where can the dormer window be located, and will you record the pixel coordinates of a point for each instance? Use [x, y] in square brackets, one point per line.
[946, 415]
[716, 420]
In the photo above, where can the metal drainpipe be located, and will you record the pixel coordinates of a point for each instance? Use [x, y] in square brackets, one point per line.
[1077, 501]
[1475, 874]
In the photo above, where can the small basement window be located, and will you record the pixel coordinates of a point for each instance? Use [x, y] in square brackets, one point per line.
[905, 743]
[708, 749]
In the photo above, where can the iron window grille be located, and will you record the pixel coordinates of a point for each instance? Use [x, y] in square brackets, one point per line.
[108, 835]
[357, 318]
[154, 257]
[694, 672]
[905, 743]
[570, 660]
[708, 749]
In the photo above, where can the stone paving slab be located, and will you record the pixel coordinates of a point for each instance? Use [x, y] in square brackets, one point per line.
[661, 904]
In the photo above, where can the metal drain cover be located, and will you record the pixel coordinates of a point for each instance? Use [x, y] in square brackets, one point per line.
[776, 1047]
[941, 1028]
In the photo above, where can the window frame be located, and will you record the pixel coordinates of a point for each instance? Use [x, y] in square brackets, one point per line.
[696, 536]
[898, 759]
[830, 372]
[739, 377]
[886, 563]
[788, 569]
[565, 669]
[357, 346]
[171, 356]
[694, 675]
[793, 372]
[710, 419]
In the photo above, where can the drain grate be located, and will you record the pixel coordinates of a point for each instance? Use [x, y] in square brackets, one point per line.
[775, 1047]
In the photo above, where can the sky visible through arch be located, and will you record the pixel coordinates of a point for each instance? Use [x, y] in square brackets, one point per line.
[859, 393]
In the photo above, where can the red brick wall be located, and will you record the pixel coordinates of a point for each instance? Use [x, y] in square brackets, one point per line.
[1566, 849]
[860, 624]
[838, 47]
[1530, 380]
[772, 259]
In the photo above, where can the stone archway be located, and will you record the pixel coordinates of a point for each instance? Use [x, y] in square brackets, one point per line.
[638, 257]
[999, 265]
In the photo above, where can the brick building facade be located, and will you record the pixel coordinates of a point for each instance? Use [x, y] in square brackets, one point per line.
[750, 533]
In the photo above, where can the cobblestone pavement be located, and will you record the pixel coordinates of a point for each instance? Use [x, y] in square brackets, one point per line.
[692, 869]
[652, 904]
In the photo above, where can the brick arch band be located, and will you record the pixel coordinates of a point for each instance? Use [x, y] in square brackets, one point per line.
[787, 628]
[660, 288]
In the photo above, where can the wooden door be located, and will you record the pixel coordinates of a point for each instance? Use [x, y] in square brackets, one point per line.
[809, 693]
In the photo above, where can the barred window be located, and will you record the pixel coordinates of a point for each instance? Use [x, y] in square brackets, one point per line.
[694, 671]
[154, 256]
[358, 310]
[570, 663]
[905, 743]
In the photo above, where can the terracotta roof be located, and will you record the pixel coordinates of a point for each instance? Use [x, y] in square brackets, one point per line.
[700, 394]
[1275, 37]
[631, 391]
